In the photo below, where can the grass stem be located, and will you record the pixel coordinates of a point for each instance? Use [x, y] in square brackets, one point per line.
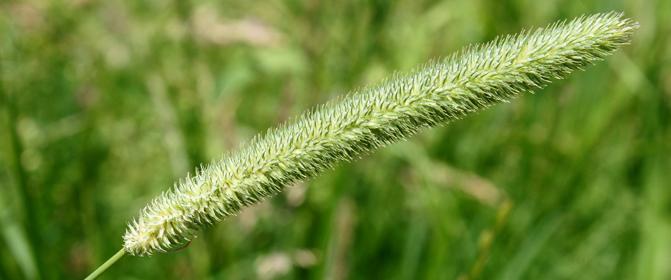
[106, 265]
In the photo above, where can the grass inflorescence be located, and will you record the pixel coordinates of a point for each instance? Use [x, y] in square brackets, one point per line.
[470, 80]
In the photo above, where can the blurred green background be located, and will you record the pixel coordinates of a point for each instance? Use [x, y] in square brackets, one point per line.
[104, 104]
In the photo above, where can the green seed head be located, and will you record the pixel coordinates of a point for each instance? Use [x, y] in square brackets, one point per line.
[362, 121]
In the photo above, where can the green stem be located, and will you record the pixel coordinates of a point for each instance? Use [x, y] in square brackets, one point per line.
[106, 265]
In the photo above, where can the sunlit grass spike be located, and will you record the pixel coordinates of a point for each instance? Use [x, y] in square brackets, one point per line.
[347, 128]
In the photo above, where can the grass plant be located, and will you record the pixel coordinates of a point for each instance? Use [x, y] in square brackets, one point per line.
[351, 126]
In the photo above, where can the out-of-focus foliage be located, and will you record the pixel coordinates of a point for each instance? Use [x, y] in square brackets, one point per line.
[103, 104]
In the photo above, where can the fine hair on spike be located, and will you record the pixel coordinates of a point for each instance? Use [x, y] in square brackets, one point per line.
[351, 126]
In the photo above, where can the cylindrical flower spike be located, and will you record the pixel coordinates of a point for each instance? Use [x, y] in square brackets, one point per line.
[473, 79]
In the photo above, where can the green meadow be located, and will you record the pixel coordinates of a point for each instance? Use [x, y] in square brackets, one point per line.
[105, 104]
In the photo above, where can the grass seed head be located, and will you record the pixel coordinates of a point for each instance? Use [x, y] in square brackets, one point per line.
[344, 129]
